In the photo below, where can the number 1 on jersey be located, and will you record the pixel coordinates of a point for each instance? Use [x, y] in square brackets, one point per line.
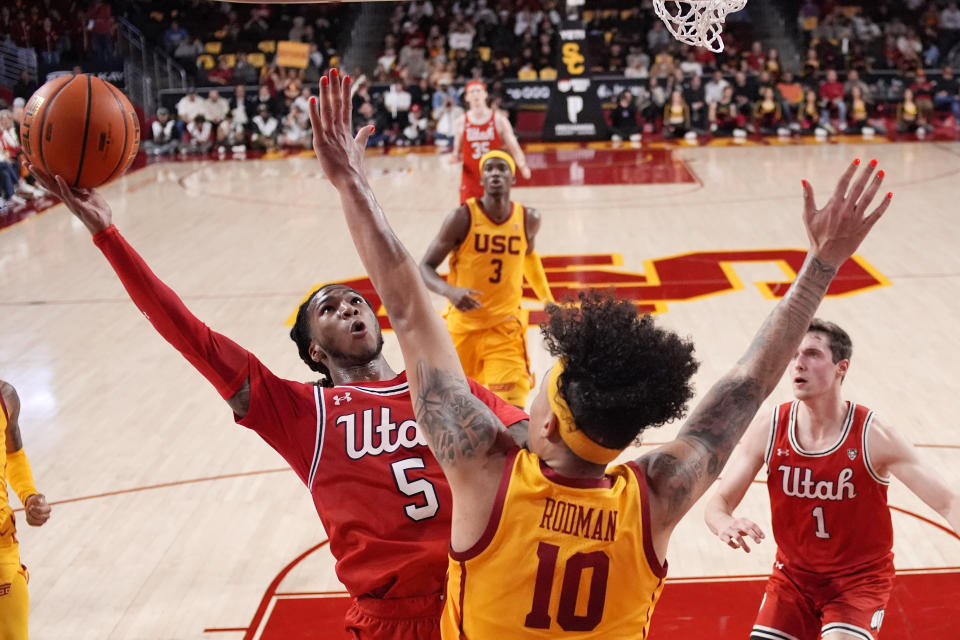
[821, 525]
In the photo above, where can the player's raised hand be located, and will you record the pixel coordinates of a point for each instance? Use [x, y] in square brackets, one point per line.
[340, 153]
[836, 230]
[525, 172]
[464, 299]
[37, 510]
[733, 534]
[86, 204]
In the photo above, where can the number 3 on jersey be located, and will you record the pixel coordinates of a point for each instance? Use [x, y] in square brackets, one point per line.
[480, 147]
[421, 486]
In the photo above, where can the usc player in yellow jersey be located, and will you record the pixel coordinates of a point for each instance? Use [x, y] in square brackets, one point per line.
[14, 601]
[490, 241]
[549, 541]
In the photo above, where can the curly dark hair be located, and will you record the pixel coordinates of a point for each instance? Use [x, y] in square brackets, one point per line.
[622, 373]
[300, 334]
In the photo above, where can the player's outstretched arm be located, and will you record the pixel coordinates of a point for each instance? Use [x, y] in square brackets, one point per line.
[462, 432]
[745, 462]
[220, 360]
[451, 234]
[890, 452]
[681, 471]
[18, 472]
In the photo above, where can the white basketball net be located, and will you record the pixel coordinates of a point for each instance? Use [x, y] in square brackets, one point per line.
[697, 22]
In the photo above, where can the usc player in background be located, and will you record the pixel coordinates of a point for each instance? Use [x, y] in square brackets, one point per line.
[15, 470]
[479, 130]
[490, 241]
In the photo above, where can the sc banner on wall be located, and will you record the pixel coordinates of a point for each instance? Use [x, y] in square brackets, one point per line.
[574, 111]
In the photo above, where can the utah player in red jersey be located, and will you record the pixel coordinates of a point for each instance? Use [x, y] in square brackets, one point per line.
[479, 130]
[389, 518]
[829, 463]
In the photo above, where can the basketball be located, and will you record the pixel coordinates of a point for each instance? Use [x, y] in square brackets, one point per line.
[81, 128]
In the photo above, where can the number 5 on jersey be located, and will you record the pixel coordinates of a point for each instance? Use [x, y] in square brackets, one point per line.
[421, 486]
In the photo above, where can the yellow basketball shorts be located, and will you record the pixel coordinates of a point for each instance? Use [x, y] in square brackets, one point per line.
[14, 600]
[497, 358]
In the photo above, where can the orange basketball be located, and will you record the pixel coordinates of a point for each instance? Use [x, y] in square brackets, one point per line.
[81, 128]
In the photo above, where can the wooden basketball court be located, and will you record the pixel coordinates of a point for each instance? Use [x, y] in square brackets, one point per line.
[171, 522]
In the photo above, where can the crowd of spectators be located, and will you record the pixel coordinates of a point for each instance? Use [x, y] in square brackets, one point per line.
[866, 66]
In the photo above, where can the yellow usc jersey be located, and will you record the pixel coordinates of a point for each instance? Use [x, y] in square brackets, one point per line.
[6, 513]
[490, 259]
[560, 558]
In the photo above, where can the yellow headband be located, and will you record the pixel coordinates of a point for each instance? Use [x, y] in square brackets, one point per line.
[503, 155]
[574, 438]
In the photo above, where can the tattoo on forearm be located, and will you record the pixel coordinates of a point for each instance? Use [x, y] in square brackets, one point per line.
[720, 419]
[456, 424]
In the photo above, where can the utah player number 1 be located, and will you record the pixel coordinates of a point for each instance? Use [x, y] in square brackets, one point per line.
[821, 525]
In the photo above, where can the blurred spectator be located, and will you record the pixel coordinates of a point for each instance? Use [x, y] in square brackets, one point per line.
[695, 97]
[623, 119]
[173, 36]
[25, 86]
[723, 114]
[199, 137]
[187, 51]
[676, 116]
[446, 115]
[772, 62]
[415, 131]
[808, 120]
[909, 117]
[713, 90]
[744, 92]
[637, 66]
[302, 101]
[298, 30]
[397, 101]
[767, 114]
[100, 26]
[295, 129]
[947, 94]
[691, 66]
[231, 135]
[949, 27]
[859, 114]
[791, 94]
[658, 37]
[854, 81]
[216, 108]
[47, 43]
[221, 74]
[164, 138]
[243, 71]
[374, 113]
[241, 106]
[831, 95]
[264, 98]
[9, 165]
[923, 89]
[264, 129]
[189, 107]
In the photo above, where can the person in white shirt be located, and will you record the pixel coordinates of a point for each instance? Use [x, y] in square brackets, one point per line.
[188, 108]
[163, 135]
[263, 129]
[200, 136]
[713, 90]
[216, 107]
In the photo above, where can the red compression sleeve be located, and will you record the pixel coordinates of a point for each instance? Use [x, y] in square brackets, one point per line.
[221, 361]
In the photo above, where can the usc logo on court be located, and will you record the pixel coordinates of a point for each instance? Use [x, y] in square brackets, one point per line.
[681, 278]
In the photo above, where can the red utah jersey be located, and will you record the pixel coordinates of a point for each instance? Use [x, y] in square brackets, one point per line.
[478, 139]
[829, 507]
[380, 493]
